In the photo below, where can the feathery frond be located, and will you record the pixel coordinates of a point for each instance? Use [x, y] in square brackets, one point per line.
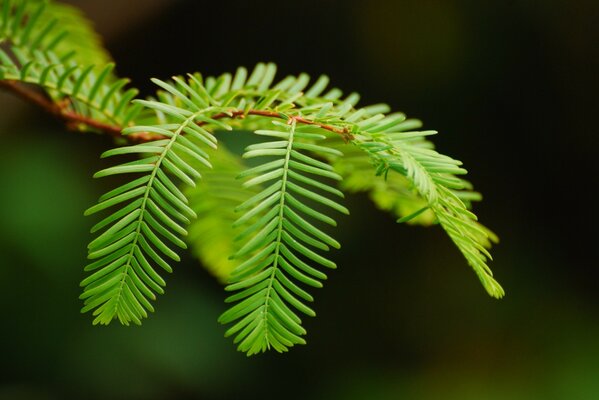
[77, 88]
[134, 236]
[434, 176]
[278, 247]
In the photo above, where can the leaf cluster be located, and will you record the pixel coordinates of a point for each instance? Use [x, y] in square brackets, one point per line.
[260, 222]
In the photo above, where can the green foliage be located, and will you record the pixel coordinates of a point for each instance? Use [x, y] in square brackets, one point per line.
[434, 176]
[53, 46]
[278, 245]
[258, 222]
[393, 194]
[50, 26]
[76, 87]
[133, 237]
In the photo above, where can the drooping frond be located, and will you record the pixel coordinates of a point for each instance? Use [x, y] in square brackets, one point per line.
[395, 193]
[278, 251]
[76, 88]
[154, 212]
[214, 200]
[434, 176]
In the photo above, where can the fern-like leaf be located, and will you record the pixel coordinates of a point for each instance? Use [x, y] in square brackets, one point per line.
[76, 87]
[435, 177]
[133, 237]
[278, 246]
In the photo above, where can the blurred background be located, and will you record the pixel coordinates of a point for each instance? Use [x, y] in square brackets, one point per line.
[511, 86]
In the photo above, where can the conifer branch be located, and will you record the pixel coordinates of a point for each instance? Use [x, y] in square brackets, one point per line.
[270, 217]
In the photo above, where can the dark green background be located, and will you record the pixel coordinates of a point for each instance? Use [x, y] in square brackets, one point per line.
[511, 86]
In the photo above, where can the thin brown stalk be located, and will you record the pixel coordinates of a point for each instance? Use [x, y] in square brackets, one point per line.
[75, 121]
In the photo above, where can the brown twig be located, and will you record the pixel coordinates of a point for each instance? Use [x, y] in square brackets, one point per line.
[273, 114]
[72, 119]
[75, 121]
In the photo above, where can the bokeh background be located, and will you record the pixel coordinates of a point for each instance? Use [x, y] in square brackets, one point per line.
[511, 86]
